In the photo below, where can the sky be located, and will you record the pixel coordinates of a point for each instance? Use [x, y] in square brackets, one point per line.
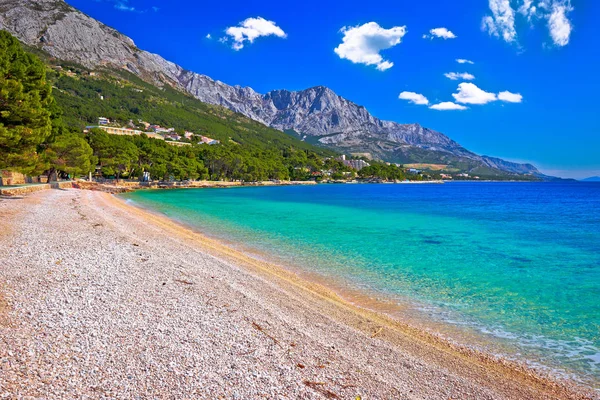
[516, 79]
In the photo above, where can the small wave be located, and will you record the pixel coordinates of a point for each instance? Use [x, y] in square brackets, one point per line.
[553, 354]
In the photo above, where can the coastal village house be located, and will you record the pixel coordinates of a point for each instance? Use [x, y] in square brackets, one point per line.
[153, 131]
[172, 136]
[354, 164]
[209, 141]
[111, 130]
[160, 129]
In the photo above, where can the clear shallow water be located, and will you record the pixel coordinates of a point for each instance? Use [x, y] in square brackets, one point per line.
[517, 262]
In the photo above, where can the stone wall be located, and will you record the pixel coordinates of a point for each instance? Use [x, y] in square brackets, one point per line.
[23, 190]
[8, 178]
[12, 178]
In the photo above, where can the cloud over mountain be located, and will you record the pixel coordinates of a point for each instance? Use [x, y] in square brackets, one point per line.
[447, 106]
[469, 93]
[249, 30]
[362, 44]
[123, 6]
[415, 98]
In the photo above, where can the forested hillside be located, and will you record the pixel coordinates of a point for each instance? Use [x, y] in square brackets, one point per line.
[46, 105]
[126, 97]
[44, 109]
[248, 151]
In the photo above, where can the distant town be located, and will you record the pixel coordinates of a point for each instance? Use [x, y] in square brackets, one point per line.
[169, 135]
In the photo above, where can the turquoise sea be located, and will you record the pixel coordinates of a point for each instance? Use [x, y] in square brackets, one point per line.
[517, 264]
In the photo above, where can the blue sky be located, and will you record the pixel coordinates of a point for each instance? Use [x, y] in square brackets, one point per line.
[532, 93]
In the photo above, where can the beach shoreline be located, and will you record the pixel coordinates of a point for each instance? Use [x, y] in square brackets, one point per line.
[407, 312]
[388, 311]
[447, 369]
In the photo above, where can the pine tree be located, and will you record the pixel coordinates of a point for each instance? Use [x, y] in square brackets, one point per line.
[71, 154]
[25, 107]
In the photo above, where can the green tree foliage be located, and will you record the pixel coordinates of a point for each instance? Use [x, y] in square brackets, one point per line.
[26, 106]
[131, 156]
[70, 154]
[117, 155]
[379, 170]
[166, 162]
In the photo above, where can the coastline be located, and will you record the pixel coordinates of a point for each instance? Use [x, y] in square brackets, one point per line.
[386, 313]
[123, 186]
[475, 375]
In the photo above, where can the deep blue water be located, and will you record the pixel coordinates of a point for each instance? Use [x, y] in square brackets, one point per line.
[519, 263]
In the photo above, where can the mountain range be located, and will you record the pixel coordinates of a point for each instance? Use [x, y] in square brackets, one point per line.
[316, 115]
[592, 179]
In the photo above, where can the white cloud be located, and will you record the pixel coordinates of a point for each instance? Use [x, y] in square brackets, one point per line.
[251, 29]
[528, 9]
[469, 93]
[414, 98]
[465, 76]
[208, 36]
[385, 65]
[510, 97]
[440, 33]
[123, 6]
[559, 25]
[502, 21]
[463, 61]
[362, 44]
[447, 105]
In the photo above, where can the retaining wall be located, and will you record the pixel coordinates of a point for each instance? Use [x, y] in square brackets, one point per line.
[23, 190]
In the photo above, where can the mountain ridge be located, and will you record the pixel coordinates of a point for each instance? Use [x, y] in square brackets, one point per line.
[592, 179]
[315, 114]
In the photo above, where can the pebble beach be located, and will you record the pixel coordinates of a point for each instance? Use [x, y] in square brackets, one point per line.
[99, 299]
